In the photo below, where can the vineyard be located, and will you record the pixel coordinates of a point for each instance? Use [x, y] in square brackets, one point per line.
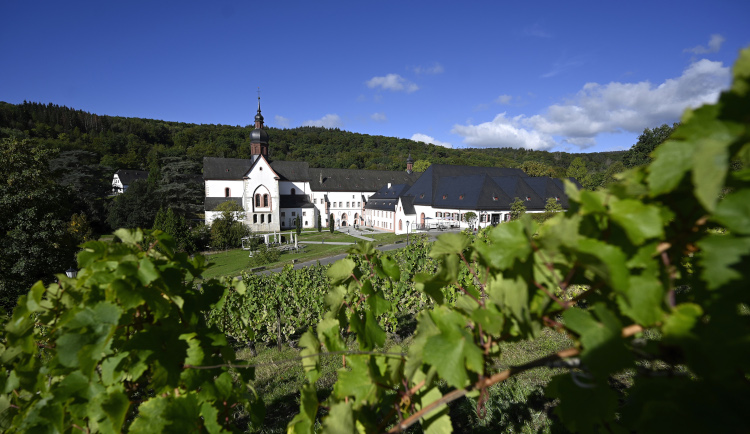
[648, 278]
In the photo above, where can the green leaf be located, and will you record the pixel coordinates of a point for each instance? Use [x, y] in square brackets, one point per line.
[129, 236]
[607, 261]
[311, 360]
[643, 300]
[447, 244]
[639, 220]
[437, 421]
[509, 243]
[453, 350]
[355, 381]
[147, 272]
[604, 350]
[722, 257]
[390, 266]
[304, 421]
[734, 212]
[340, 271]
[680, 322]
[340, 419]
[672, 160]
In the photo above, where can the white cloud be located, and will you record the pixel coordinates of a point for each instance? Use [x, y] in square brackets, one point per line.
[392, 82]
[282, 121]
[714, 45]
[503, 99]
[503, 132]
[604, 108]
[327, 121]
[427, 139]
[378, 117]
[435, 68]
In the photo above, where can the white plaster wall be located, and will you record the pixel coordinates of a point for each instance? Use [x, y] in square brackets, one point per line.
[215, 187]
[300, 187]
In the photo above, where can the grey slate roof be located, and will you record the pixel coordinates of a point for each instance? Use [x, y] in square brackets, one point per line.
[546, 188]
[356, 180]
[295, 201]
[291, 170]
[386, 198]
[225, 168]
[425, 191]
[127, 176]
[211, 203]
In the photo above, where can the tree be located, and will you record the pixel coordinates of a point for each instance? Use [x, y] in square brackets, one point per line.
[226, 230]
[176, 226]
[640, 153]
[135, 208]
[89, 181]
[470, 218]
[180, 186]
[517, 209]
[577, 170]
[298, 224]
[319, 227]
[35, 216]
[421, 165]
[535, 168]
[331, 223]
[552, 206]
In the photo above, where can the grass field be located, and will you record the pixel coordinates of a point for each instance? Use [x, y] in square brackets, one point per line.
[234, 262]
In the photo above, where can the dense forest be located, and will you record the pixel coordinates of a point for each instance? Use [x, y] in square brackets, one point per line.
[135, 143]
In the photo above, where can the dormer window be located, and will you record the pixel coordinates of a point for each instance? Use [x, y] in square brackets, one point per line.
[528, 198]
[461, 197]
[445, 196]
[495, 198]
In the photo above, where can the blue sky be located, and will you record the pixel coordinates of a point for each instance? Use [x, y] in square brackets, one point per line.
[576, 76]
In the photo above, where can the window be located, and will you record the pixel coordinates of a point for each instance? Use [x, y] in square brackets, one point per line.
[255, 218]
[341, 204]
[294, 192]
[352, 196]
[265, 200]
[262, 218]
[294, 213]
[257, 199]
[315, 201]
[347, 204]
[305, 222]
[226, 192]
[438, 214]
[283, 223]
[304, 213]
[269, 218]
[358, 205]
[283, 214]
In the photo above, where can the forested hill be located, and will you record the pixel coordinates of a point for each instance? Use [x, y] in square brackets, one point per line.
[137, 143]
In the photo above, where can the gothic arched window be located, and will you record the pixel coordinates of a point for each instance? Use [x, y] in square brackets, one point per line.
[265, 200]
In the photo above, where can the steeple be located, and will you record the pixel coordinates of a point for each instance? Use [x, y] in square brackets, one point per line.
[409, 164]
[258, 136]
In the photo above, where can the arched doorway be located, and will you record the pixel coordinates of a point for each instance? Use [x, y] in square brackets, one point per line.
[421, 220]
[356, 221]
[343, 219]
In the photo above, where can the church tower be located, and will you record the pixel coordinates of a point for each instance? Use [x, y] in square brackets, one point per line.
[258, 137]
[409, 164]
